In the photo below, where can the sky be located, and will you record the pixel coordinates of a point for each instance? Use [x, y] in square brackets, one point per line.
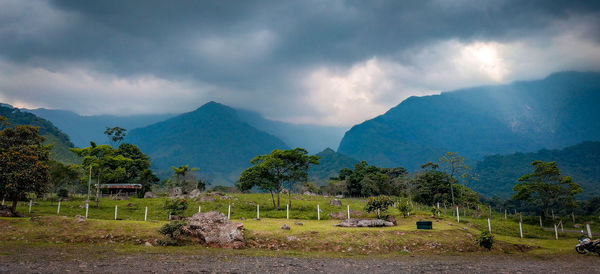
[326, 62]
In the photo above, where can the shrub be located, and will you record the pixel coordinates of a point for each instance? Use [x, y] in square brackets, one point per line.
[486, 240]
[435, 211]
[380, 203]
[176, 206]
[404, 209]
[173, 229]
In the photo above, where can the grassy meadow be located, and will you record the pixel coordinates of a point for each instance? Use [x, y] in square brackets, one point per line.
[307, 234]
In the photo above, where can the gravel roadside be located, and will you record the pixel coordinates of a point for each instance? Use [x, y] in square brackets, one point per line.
[57, 261]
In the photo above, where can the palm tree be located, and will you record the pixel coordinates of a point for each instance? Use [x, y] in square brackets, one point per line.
[181, 172]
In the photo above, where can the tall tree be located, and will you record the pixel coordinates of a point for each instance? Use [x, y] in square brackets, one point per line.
[546, 186]
[454, 165]
[270, 172]
[23, 163]
[115, 135]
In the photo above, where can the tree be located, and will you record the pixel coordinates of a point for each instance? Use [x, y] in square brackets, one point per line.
[124, 165]
[115, 135]
[379, 204]
[545, 187]
[23, 163]
[270, 172]
[367, 180]
[185, 178]
[454, 165]
[63, 176]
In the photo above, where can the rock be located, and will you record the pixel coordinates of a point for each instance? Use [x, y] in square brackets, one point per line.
[364, 223]
[285, 227]
[391, 219]
[308, 193]
[339, 196]
[148, 195]
[214, 229]
[195, 193]
[292, 238]
[242, 218]
[175, 192]
[79, 218]
[130, 205]
[335, 202]
[298, 223]
[147, 244]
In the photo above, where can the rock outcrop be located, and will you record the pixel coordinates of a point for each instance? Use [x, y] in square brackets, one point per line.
[365, 223]
[214, 229]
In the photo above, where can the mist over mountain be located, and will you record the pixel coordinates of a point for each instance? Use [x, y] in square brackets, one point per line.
[499, 173]
[313, 138]
[60, 141]
[560, 110]
[83, 129]
[212, 138]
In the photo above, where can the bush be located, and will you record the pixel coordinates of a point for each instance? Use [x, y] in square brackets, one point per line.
[173, 229]
[404, 209]
[380, 203]
[486, 240]
[435, 211]
[176, 206]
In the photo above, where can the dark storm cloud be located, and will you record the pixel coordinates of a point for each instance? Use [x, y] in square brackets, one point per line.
[254, 47]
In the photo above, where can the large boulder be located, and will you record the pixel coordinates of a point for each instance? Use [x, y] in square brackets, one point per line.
[214, 229]
[335, 202]
[205, 198]
[364, 223]
[149, 195]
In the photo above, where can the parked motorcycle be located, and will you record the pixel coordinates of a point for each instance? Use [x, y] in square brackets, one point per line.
[586, 245]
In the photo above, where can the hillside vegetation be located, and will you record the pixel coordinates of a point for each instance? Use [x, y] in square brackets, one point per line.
[499, 173]
[60, 141]
[212, 138]
[554, 112]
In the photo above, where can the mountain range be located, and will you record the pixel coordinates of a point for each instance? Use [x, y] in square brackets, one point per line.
[523, 117]
[561, 110]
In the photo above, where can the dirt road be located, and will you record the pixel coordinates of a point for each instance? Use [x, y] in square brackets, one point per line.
[58, 260]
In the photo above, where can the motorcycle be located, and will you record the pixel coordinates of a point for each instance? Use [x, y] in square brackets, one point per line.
[586, 245]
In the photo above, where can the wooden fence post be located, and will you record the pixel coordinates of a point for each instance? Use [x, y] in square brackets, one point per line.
[87, 208]
[457, 215]
[30, 202]
[58, 210]
[115, 212]
[257, 211]
[348, 209]
[318, 213]
[555, 232]
[229, 212]
[589, 231]
[541, 225]
[521, 229]
[146, 214]
[489, 225]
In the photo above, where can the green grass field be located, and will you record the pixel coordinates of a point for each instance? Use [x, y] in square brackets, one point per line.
[447, 235]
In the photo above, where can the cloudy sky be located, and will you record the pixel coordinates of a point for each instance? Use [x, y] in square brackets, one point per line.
[312, 61]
